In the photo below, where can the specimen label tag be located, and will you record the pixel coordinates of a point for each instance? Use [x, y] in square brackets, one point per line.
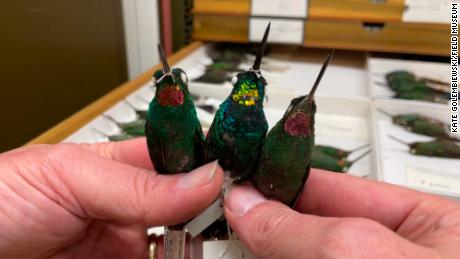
[429, 11]
[214, 249]
[174, 244]
[439, 180]
[280, 8]
[206, 218]
[212, 213]
[282, 30]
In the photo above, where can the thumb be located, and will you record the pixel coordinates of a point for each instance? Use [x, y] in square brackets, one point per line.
[269, 229]
[272, 230]
[92, 186]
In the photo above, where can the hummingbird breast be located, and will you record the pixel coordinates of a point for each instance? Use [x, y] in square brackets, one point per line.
[174, 137]
[236, 139]
[284, 165]
[244, 120]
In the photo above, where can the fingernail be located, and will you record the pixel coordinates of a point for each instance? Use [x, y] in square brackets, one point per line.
[199, 177]
[241, 199]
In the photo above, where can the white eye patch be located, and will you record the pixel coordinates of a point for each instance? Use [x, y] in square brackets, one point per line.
[234, 80]
[184, 78]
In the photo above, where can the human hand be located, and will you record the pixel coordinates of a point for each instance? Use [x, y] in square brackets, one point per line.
[92, 201]
[342, 216]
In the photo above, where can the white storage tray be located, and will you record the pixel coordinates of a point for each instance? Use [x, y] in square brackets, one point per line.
[377, 68]
[394, 162]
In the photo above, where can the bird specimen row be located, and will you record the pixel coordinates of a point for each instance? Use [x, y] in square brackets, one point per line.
[335, 159]
[443, 145]
[408, 86]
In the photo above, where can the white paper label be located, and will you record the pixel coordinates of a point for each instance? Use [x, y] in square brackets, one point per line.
[214, 249]
[174, 244]
[430, 179]
[206, 218]
[281, 30]
[280, 8]
[430, 11]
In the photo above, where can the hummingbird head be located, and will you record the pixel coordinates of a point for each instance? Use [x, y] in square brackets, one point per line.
[300, 116]
[171, 85]
[345, 164]
[405, 120]
[249, 87]
[398, 120]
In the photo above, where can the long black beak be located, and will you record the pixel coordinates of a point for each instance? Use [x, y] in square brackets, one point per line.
[385, 113]
[164, 61]
[398, 140]
[359, 148]
[360, 157]
[318, 79]
[262, 48]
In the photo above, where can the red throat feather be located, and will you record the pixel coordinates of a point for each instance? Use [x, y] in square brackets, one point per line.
[298, 124]
[171, 96]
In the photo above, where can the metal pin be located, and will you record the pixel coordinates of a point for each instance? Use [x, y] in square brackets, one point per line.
[152, 247]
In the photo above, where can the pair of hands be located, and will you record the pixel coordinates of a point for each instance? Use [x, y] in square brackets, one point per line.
[95, 201]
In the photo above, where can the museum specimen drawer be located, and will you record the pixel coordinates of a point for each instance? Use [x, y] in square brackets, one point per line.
[358, 10]
[221, 28]
[430, 39]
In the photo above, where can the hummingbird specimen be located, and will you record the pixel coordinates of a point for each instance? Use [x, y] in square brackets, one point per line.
[121, 137]
[174, 136]
[134, 128]
[436, 148]
[337, 152]
[239, 126]
[334, 164]
[226, 59]
[175, 139]
[141, 114]
[418, 96]
[397, 76]
[407, 86]
[400, 77]
[285, 158]
[323, 161]
[420, 124]
[115, 138]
